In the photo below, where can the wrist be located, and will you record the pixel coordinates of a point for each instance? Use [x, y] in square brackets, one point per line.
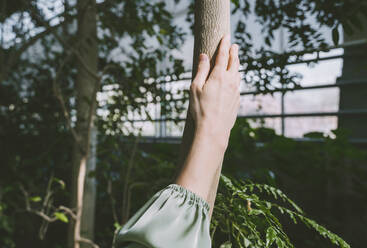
[210, 137]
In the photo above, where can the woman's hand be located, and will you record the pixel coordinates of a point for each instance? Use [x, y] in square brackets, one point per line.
[215, 98]
[214, 102]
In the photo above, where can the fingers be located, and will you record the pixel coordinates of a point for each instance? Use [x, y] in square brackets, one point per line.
[202, 72]
[233, 63]
[221, 61]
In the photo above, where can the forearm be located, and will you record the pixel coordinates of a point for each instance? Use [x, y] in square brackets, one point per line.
[214, 103]
[201, 169]
[214, 189]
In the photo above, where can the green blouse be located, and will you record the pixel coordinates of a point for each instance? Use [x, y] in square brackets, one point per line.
[173, 217]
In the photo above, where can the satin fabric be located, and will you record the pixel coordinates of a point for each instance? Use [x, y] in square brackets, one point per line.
[173, 217]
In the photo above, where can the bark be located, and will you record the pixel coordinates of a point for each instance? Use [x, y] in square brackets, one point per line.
[90, 192]
[85, 89]
[212, 22]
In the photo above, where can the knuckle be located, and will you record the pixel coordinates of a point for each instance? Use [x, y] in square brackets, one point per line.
[222, 53]
[217, 74]
[221, 77]
[202, 65]
[193, 87]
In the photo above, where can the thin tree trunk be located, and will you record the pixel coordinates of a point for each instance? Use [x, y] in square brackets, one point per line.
[85, 88]
[212, 22]
[90, 192]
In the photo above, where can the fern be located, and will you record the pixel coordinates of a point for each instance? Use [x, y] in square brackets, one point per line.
[250, 222]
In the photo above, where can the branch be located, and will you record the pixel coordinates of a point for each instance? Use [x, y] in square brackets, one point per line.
[64, 43]
[15, 52]
[68, 211]
[87, 241]
[130, 165]
[109, 191]
[36, 212]
[49, 219]
[60, 98]
[42, 214]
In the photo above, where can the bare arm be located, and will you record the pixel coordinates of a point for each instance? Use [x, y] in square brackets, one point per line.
[214, 102]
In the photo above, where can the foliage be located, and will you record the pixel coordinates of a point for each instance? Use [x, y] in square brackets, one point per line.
[326, 175]
[250, 221]
[308, 25]
[152, 169]
[35, 143]
[305, 24]
[34, 138]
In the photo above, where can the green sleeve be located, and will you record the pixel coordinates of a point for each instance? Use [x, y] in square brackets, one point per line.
[173, 217]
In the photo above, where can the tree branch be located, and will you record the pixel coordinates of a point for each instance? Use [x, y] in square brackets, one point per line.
[60, 98]
[53, 217]
[39, 213]
[15, 52]
[87, 241]
[64, 44]
[126, 183]
[109, 191]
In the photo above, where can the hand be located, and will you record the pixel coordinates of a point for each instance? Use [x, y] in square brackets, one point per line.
[215, 99]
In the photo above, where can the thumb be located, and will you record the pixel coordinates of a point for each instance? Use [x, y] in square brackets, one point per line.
[202, 71]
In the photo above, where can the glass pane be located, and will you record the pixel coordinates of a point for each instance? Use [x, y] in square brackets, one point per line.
[323, 72]
[317, 100]
[273, 123]
[260, 104]
[297, 127]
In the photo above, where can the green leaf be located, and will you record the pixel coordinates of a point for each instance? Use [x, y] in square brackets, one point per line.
[62, 217]
[117, 225]
[35, 199]
[160, 40]
[270, 236]
[247, 242]
[60, 182]
[226, 245]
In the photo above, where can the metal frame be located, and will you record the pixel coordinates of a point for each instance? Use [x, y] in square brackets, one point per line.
[284, 91]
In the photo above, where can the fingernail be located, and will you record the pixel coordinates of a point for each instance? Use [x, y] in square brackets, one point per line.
[203, 57]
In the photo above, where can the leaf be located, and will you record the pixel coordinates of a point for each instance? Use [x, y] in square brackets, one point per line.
[335, 34]
[160, 40]
[35, 199]
[226, 245]
[270, 236]
[247, 242]
[117, 225]
[61, 182]
[61, 216]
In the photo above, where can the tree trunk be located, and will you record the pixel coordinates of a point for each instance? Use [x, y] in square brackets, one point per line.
[212, 22]
[90, 192]
[85, 88]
